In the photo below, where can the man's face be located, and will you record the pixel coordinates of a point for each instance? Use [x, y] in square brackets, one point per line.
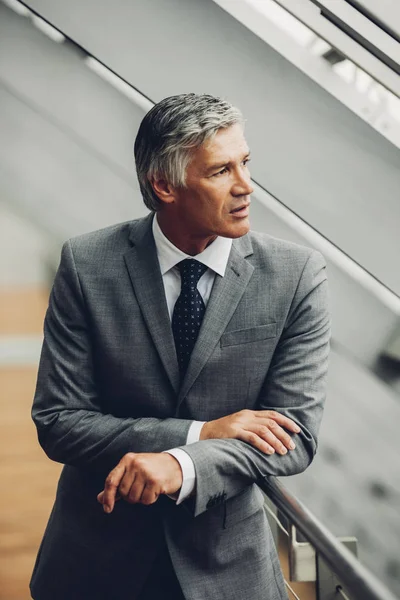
[215, 201]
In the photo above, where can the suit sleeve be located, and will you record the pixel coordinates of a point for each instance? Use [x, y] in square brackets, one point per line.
[72, 428]
[295, 385]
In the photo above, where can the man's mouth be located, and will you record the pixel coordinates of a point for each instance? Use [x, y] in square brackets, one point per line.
[241, 211]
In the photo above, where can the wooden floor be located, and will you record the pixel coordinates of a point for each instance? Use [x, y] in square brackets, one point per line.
[27, 476]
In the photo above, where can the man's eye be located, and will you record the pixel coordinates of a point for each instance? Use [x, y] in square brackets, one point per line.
[220, 172]
[246, 160]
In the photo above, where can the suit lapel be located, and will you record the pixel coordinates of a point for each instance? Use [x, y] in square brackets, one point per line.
[144, 271]
[225, 296]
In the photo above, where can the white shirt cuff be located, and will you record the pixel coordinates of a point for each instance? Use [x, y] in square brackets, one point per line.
[186, 463]
[188, 474]
[194, 432]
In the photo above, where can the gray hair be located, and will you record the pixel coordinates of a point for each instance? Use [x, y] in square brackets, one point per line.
[171, 131]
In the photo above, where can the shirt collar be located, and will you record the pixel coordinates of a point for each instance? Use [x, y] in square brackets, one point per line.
[215, 256]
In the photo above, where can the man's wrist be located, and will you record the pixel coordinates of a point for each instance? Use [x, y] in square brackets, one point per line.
[204, 431]
[188, 474]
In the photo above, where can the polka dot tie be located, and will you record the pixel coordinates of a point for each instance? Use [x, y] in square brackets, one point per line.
[188, 311]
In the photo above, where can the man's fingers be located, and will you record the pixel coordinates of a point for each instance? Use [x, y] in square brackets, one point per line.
[136, 490]
[276, 430]
[149, 494]
[255, 440]
[279, 418]
[275, 436]
[111, 487]
[100, 497]
[268, 438]
[126, 484]
[139, 479]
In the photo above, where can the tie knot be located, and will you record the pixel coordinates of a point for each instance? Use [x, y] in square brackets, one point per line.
[191, 270]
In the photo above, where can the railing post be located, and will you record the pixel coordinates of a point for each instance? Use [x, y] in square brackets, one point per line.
[302, 560]
[327, 582]
[354, 581]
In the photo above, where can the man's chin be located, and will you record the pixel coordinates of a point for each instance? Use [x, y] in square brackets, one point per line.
[238, 229]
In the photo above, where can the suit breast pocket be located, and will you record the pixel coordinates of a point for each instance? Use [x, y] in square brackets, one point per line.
[249, 335]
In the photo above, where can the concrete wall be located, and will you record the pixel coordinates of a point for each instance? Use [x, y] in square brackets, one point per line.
[310, 151]
[66, 163]
[66, 136]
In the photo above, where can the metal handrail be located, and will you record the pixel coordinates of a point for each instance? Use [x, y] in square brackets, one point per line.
[355, 577]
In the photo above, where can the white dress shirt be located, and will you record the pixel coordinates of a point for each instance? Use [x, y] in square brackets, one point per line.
[215, 257]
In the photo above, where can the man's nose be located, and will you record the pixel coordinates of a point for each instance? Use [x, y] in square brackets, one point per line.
[242, 185]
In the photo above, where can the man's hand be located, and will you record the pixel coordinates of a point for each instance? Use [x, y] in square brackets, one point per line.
[141, 478]
[263, 429]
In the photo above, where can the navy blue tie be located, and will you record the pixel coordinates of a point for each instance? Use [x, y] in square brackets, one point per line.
[188, 311]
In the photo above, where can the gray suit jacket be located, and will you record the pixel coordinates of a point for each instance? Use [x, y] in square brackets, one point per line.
[108, 384]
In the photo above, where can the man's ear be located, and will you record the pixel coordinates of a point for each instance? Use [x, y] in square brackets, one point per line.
[164, 190]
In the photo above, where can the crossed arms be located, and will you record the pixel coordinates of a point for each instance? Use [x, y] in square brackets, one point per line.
[141, 478]
[72, 428]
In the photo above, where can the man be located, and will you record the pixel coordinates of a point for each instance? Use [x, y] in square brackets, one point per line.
[184, 360]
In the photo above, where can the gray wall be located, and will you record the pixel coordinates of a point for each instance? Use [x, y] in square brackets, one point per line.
[310, 151]
[66, 136]
[66, 163]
